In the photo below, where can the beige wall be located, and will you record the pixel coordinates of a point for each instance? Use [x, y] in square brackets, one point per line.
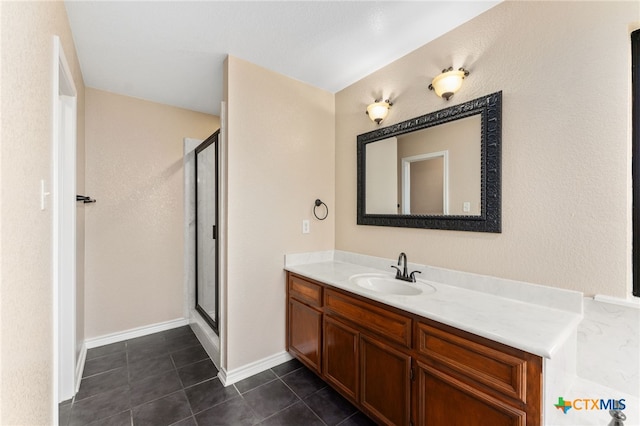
[564, 69]
[134, 233]
[26, 330]
[280, 159]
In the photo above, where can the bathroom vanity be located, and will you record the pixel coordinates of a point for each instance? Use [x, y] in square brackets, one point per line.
[443, 355]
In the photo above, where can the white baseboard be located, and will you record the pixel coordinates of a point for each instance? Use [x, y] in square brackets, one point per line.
[107, 339]
[80, 366]
[230, 377]
[207, 337]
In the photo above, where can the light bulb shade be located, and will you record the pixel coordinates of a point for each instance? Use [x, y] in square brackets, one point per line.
[378, 111]
[448, 83]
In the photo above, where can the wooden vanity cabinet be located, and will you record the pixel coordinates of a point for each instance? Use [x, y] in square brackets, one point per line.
[341, 357]
[366, 358]
[304, 321]
[385, 390]
[444, 400]
[402, 369]
[490, 382]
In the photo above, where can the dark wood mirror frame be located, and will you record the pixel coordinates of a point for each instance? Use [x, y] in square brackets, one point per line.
[489, 220]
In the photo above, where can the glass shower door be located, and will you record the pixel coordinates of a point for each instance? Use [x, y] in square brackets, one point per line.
[206, 166]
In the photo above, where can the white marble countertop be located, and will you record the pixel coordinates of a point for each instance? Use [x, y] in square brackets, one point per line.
[504, 318]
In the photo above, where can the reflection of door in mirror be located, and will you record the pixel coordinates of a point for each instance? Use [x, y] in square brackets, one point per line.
[382, 177]
[453, 191]
[461, 140]
[425, 184]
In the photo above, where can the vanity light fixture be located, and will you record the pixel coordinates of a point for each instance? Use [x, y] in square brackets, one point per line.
[449, 82]
[378, 110]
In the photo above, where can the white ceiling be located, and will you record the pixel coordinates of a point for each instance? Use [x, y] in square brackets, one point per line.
[172, 52]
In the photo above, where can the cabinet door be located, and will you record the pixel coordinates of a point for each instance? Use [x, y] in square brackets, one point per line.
[340, 356]
[305, 331]
[385, 382]
[445, 401]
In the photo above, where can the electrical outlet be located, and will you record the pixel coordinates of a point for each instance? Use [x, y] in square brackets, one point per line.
[305, 226]
[466, 207]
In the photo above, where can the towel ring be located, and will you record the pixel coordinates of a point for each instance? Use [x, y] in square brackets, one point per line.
[319, 203]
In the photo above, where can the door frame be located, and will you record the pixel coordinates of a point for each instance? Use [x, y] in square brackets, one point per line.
[406, 179]
[64, 140]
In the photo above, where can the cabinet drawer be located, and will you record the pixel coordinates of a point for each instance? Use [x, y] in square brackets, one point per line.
[305, 291]
[370, 317]
[496, 369]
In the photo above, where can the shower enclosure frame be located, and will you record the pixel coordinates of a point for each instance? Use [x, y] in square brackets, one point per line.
[211, 140]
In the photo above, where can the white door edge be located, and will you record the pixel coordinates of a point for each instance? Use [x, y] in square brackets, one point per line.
[64, 117]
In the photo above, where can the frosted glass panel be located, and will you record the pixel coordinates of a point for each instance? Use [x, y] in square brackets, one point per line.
[206, 186]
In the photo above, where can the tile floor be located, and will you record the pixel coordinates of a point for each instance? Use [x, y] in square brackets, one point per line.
[167, 379]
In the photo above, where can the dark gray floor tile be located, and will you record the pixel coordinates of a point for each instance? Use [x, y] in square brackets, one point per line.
[207, 394]
[358, 419]
[270, 398]
[182, 342]
[154, 387]
[105, 350]
[287, 367]
[98, 407]
[164, 411]
[297, 414]
[234, 412]
[64, 410]
[189, 421]
[189, 356]
[120, 419]
[144, 368]
[177, 332]
[149, 339]
[104, 363]
[90, 386]
[147, 351]
[330, 406]
[303, 382]
[197, 372]
[255, 381]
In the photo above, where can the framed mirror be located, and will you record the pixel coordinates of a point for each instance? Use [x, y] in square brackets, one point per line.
[438, 171]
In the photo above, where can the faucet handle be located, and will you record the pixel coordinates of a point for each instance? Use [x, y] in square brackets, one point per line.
[398, 273]
[413, 276]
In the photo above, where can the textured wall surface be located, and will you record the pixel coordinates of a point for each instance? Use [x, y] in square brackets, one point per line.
[280, 159]
[26, 305]
[134, 233]
[566, 143]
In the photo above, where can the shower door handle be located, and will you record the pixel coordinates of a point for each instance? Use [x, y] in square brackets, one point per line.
[214, 233]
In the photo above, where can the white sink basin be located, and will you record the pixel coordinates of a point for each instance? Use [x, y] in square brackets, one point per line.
[385, 284]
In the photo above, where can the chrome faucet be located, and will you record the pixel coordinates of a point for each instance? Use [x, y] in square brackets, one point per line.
[404, 274]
